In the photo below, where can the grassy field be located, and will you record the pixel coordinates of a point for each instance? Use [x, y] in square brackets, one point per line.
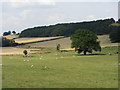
[50, 69]
[62, 70]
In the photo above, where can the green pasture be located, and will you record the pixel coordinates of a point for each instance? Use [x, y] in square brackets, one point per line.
[62, 70]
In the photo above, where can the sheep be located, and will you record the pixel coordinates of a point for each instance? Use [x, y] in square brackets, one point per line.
[32, 66]
[110, 53]
[45, 67]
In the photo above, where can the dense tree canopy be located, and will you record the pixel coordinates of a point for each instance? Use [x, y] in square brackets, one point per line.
[6, 33]
[115, 34]
[85, 41]
[13, 32]
[67, 29]
[4, 42]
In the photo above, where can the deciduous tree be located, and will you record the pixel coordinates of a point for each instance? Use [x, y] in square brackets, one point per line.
[85, 41]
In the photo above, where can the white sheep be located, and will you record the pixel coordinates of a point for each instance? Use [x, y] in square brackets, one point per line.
[110, 53]
[32, 66]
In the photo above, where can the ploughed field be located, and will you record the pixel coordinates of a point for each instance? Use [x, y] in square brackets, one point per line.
[62, 70]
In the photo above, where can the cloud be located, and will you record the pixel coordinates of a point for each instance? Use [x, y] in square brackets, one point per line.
[90, 17]
[24, 3]
[56, 17]
[14, 20]
[25, 13]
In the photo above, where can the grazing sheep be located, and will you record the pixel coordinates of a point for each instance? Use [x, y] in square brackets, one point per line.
[110, 53]
[24, 60]
[32, 66]
[45, 67]
[40, 58]
[28, 60]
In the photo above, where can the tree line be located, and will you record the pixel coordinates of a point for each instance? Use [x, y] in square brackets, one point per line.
[115, 33]
[100, 27]
[9, 33]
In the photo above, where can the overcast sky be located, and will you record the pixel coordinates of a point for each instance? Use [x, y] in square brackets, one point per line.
[23, 14]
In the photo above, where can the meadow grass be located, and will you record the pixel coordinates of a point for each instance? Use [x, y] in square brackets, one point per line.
[61, 70]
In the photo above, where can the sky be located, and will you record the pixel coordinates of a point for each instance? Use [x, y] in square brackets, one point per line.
[17, 15]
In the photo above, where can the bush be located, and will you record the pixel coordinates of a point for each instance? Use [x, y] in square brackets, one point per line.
[115, 34]
[25, 52]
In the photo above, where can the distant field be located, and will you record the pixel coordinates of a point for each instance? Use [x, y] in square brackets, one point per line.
[26, 40]
[61, 70]
[66, 42]
[13, 50]
[11, 36]
[105, 41]
[116, 24]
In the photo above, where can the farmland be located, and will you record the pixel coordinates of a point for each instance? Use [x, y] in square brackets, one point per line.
[47, 68]
[61, 70]
[64, 42]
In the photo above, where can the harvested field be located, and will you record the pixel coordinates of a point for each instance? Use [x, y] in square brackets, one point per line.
[11, 36]
[26, 40]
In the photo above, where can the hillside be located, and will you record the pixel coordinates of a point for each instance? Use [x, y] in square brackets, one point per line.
[66, 42]
[66, 29]
[49, 45]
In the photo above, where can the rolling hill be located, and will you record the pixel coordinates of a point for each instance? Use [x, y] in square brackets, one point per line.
[66, 42]
[35, 47]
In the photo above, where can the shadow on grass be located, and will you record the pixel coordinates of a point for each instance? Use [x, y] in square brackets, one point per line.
[90, 54]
